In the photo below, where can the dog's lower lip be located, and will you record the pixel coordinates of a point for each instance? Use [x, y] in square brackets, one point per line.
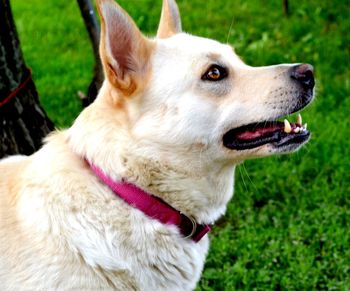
[292, 139]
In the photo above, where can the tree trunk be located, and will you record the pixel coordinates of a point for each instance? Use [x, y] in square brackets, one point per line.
[93, 28]
[23, 123]
[286, 7]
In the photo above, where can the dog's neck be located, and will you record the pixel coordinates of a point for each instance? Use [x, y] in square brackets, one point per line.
[203, 195]
[199, 190]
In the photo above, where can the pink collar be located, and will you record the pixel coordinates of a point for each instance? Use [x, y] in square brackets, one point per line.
[154, 207]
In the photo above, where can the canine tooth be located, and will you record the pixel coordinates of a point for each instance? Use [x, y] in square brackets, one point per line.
[305, 126]
[299, 120]
[287, 127]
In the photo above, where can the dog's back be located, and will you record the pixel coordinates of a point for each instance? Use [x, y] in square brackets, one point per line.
[10, 184]
[22, 234]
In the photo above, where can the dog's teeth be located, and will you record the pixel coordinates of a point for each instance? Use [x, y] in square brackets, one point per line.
[297, 129]
[305, 126]
[287, 126]
[299, 120]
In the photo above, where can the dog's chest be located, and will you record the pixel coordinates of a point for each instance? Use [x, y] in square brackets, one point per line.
[141, 251]
[176, 267]
[160, 265]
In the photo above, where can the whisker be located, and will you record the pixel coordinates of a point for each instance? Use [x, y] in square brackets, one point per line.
[251, 181]
[229, 31]
[242, 177]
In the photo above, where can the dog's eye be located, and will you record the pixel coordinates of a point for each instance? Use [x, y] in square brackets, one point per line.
[215, 73]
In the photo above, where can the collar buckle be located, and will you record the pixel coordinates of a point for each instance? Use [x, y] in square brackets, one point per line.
[193, 225]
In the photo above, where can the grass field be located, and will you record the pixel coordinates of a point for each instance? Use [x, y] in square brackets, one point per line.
[288, 226]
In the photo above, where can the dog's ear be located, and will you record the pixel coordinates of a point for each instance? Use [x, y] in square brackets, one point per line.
[170, 21]
[124, 51]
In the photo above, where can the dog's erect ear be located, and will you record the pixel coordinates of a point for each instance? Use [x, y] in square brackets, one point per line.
[124, 51]
[170, 21]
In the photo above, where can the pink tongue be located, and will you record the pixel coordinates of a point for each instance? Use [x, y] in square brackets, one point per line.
[258, 132]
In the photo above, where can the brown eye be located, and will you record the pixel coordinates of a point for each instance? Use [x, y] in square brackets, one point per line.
[215, 73]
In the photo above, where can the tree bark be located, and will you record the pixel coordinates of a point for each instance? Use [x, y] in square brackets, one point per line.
[286, 7]
[23, 122]
[93, 28]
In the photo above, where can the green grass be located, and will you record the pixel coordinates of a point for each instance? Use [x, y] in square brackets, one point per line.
[288, 226]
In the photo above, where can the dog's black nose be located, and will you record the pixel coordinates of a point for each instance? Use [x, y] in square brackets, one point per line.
[304, 74]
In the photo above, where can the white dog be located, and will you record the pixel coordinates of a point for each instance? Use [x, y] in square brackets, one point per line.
[124, 198]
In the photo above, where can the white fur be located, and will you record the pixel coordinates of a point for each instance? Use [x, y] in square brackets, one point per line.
[62, 229]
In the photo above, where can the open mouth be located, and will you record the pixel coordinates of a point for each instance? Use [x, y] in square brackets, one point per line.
[270, 132]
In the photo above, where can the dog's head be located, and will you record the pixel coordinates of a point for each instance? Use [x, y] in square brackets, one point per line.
[182, 92]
